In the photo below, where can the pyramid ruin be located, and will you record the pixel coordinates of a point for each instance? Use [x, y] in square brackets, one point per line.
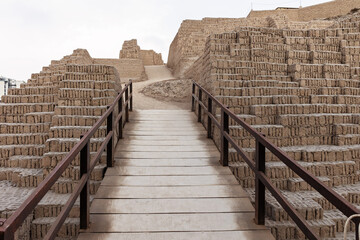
[41, 121]
[298, 83]
[293, 74]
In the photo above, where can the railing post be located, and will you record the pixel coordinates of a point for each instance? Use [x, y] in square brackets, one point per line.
[127, 104]
[357, 230]
[199, 105]
[193, 98]
[6, 234]
[224, 142]
[209, 118]
[110, 145]
[259, 186]
[120, 121]
[131, 96]
[84, 194]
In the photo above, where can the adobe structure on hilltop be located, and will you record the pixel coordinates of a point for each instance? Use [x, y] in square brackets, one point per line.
[42, 120]
[131, 50]
[131, 61]
[189, 42]
[296, 82]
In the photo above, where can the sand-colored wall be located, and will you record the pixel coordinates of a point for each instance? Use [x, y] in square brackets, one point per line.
[150, 57]
[324, 10]
[292, 14]
[127, 68]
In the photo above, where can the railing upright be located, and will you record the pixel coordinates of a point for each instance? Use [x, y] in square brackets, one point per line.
[120, 108]
[131, 98]
[85, 193]
[259, 186]
[209, 123]
[127, 105]
[110, 145]
[193, 98]
[199, 105]
[224, 141]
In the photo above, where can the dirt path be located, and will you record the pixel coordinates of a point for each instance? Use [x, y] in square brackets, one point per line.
[155, 74]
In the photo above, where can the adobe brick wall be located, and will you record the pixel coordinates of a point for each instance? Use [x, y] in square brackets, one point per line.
[150, 57]
[324, 10]
[127, 68]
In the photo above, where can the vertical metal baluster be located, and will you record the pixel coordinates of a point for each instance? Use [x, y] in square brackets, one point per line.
[193, 98]
[224, 142]
[259, 186]
[110, 145]
[209, 123]
[131, 96]
[120, 107]
[199, 105]
[127, 104]
[84, 194]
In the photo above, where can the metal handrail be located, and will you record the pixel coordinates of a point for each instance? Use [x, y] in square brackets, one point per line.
[9, 226]
[258, 167]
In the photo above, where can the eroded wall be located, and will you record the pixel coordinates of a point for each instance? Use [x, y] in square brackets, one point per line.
[127, 68]
[324, 10]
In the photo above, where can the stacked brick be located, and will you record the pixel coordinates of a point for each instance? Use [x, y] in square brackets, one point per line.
[39, 124]
[130, 49]
[301, 89]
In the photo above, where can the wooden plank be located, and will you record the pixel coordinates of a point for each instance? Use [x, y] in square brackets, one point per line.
[173, 222]
[133, 142]
[190, 205]
[211, 235]
[167, 184]
[209, 191]
[164, 112]
[169, 180]
[168, 155]
[162, 138]
[147, 124]
[134, 148]
[160, 119]
[164, 133]
[167, 162]
[167, 171]
[166, 128]
[151, 127]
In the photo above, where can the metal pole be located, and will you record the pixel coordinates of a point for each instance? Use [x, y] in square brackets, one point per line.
[110, 145]
[199, 105]
[224, 142]
[84, 194]
[193, 98]
[120, 106]
[127, 104]
[259, 186]
[209, 123]
[131, 96]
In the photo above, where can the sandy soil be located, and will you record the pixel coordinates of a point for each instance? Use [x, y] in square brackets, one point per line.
[155, 74]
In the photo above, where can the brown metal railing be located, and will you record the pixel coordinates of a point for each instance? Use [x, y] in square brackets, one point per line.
[9, 226]
[258, 167]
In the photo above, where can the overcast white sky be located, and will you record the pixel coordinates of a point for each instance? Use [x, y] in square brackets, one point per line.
[34, 32]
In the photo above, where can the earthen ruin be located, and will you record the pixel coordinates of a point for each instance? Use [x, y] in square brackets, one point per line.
[42, 120]
[297, 83]
[293, 74]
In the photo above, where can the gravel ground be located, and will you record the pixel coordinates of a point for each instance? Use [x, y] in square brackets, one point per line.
[157, 101]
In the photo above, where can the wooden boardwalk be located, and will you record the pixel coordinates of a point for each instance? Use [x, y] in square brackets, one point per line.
[167, 183]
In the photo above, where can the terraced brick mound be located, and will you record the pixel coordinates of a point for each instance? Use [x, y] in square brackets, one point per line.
[39, 124]
[300, 88]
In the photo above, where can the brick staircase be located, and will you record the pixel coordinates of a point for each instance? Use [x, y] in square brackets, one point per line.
[301, 89]
[39, 124]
